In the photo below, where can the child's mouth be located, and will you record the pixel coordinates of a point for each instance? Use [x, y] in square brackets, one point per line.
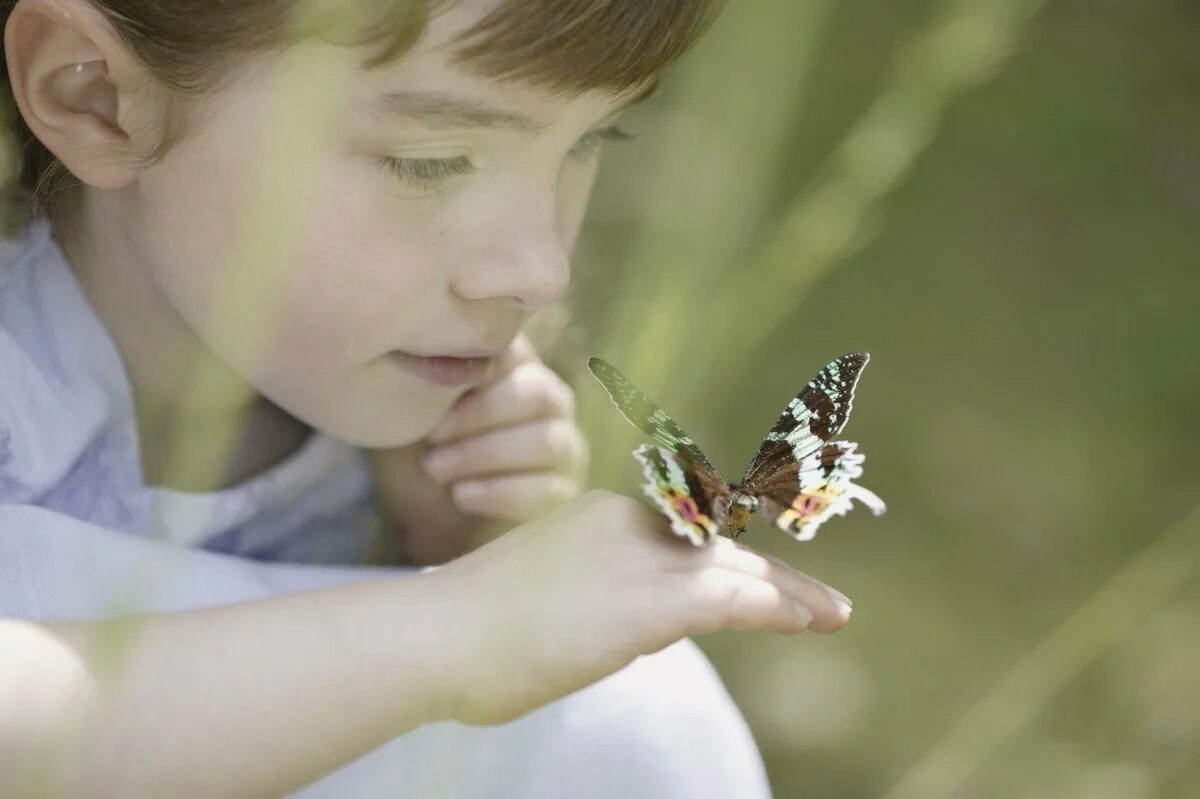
[444, 371]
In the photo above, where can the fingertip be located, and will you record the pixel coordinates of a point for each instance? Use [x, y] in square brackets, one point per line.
[469, 493]
[834, 620]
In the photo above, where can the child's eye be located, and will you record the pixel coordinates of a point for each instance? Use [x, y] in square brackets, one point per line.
[590, 143]
[427, 173]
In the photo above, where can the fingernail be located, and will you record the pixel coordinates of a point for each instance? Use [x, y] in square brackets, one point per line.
[844, 609]
[839, 596]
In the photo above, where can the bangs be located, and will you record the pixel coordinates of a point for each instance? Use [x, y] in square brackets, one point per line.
[582, 45]
[565, 45]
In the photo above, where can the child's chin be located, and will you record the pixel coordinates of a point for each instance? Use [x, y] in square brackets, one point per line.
[401, 427]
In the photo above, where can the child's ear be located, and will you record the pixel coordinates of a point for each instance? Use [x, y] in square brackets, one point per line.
[81, 91]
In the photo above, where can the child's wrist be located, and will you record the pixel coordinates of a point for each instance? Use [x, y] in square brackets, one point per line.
[408, 627]
[448, 624]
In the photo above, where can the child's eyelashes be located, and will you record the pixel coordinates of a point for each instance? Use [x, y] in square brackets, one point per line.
[590, 143]
[428, 173]
[433, 174]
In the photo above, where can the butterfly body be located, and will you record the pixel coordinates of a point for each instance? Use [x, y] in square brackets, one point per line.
[741, 507]
[799, 476]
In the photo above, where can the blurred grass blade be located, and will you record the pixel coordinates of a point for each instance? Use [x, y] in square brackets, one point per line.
[962, 49]
[718, 152]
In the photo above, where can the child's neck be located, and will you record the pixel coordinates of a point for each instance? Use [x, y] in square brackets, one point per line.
[210, 456]
[200, 426]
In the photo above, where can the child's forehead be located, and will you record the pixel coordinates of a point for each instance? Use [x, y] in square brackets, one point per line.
[432, 68]
[548, 50]
[430, 83]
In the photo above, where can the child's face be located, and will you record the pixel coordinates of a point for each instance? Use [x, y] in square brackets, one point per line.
[449, 257]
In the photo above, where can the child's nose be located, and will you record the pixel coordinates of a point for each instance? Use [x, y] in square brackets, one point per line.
[527, 262]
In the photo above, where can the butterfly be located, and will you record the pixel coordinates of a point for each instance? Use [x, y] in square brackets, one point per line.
[799, 477]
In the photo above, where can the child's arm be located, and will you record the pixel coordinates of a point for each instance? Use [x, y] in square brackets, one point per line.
[247, 700]
[259, 698]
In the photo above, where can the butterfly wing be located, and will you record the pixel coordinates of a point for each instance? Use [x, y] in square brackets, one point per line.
[813, 417]
[799, 473]
[691, 495]
[800, 498]
[645, 415]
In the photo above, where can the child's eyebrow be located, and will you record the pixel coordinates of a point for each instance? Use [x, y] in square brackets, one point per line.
[447, 111]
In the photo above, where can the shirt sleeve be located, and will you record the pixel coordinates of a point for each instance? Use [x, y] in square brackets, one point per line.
[56, 567]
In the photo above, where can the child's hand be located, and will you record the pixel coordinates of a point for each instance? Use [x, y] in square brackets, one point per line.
[559, 602]
[508, 449]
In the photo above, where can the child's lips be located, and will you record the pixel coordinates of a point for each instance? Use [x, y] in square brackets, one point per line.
[444, 370]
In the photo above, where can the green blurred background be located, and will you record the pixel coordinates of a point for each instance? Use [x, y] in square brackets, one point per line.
[999, 201]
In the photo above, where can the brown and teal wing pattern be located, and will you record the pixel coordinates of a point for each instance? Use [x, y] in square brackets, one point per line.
[812, 418]
[801, 475]
[802, 497]
[644, 414]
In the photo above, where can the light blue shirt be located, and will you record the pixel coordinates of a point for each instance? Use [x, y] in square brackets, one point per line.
[73, 504]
